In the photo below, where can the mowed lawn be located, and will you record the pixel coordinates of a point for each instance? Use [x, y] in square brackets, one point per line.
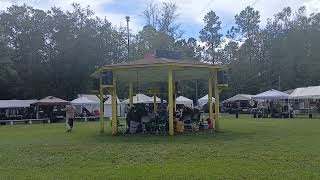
[245, 149]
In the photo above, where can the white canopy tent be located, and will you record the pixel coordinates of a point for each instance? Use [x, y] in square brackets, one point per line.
[108, 107]
[239, 97]
[158, 100]
[5, 104]
[185, 101]
[85, 102]
[109, 98]
[91, 97]
[107, 104]
[271, 95]
[10, 107]
[306, 94]
[311, 92]
[51, 101]
[140, 98]
[204, 100]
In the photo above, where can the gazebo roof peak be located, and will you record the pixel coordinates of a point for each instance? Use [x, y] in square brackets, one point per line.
[151, 61]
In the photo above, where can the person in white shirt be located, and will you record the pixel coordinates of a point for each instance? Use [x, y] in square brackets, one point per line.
[70, 117]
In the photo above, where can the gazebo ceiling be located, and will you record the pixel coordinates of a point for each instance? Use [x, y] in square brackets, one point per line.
[160, 74]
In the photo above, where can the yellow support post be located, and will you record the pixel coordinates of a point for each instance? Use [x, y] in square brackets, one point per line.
[130, 94]
[170, 99]
[210, 96]
[114, 107]
[101, 107]
[216, 104]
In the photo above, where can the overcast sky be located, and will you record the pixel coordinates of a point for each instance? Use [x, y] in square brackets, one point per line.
[191, 12]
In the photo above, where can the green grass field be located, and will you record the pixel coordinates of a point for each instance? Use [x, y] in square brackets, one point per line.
[245, 149]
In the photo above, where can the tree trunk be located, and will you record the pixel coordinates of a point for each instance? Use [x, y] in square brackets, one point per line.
[213, 55]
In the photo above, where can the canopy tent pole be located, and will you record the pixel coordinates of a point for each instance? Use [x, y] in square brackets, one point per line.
[37, 114]
[309, 108]
[282, 106]
[101, 118]
[114, 107]
[130, 94]
[155, 108]
[174, 93]
[289, 106]
[210, 97]
[216, 97]
[170, 99]
[197, 104]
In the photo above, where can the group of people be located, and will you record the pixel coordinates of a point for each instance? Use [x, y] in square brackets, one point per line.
[191, 118]
[274, 109]
[142, 118]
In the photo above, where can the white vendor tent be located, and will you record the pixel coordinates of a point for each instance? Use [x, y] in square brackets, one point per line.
[158, 100]
[185, 101]
[239, 97]
[140, 98]
[107, 104]
[81, 102]
[204, 100]
[108, 107]
[4, 104]
[91, 97]
[109, 99]
[271, 95]
[311, 92]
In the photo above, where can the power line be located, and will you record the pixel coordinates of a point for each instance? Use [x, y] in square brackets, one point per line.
[254, 3]
[226, 24]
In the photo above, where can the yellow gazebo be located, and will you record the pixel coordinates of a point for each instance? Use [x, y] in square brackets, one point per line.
[153, 70]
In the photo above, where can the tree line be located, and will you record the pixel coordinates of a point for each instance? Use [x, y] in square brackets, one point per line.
[54, 52]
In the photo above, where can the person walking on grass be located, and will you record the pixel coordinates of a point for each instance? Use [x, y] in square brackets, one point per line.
[70, 116]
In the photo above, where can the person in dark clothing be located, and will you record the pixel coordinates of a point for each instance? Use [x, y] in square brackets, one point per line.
[130, 116]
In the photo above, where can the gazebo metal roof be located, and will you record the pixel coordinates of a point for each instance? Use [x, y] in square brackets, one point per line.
[160, 61]
[153, 70]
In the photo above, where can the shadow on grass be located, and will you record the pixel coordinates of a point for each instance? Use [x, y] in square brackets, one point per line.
[186, 137]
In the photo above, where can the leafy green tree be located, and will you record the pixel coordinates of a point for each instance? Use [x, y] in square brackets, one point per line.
[54, 52]
[7, 71]
[210, 34]
[248, 22]
[162, 17]
[188, 48]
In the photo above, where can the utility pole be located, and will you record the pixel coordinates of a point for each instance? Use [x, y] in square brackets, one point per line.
[128, 31]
